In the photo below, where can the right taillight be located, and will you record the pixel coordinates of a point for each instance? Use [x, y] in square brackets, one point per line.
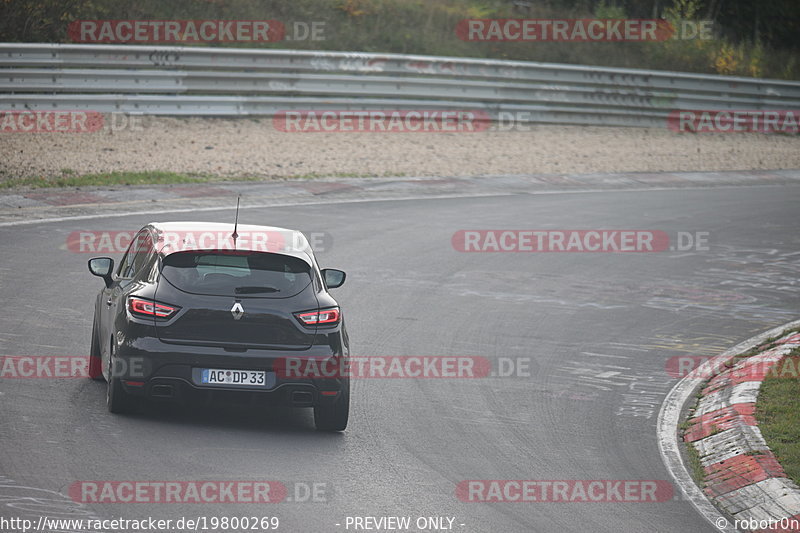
[323, 317]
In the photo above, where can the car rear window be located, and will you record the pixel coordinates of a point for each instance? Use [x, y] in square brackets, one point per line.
[255, 274]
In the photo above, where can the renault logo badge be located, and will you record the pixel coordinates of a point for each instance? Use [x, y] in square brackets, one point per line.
[237, 311]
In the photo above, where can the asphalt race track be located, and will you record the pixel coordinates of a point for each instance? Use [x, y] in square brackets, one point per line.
[597, 329]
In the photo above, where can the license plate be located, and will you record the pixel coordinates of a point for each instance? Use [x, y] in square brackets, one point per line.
[244, 378]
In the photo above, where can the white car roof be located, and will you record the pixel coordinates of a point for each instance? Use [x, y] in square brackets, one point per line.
[172, 237]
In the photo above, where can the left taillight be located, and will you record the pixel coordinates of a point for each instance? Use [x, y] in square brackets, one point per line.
[147, 308]
[323, 317]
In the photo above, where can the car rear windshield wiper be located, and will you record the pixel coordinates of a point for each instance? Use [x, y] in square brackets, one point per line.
[254, 290]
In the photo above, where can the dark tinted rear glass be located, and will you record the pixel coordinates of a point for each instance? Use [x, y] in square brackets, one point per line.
[253, 274]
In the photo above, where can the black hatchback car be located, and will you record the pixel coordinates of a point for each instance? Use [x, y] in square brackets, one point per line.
[217, 312]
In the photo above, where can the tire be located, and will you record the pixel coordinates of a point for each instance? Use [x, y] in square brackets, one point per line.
[333, 416]
[95, 361]
[117, 400]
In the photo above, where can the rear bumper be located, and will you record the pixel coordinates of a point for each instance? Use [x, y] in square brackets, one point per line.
[182, 391]
[154, 369]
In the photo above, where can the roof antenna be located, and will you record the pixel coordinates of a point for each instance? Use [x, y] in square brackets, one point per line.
[236, 224]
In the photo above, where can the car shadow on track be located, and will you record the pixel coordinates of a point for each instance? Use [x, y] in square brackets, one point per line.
[224, 416]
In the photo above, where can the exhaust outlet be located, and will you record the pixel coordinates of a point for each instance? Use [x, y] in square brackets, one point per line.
[162, 391]
[302, 398]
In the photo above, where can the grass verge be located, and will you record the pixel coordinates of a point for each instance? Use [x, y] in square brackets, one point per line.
[69, 178]
[690, 452]
[778, 415]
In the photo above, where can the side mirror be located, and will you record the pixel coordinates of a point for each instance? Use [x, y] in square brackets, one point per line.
[102, 267]
[333, 278]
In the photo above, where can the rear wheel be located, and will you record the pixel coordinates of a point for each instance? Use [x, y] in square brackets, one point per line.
[333, 416]
[117, 400]
[95, 362]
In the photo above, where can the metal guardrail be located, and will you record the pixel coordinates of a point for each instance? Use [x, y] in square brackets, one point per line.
[168, 80]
